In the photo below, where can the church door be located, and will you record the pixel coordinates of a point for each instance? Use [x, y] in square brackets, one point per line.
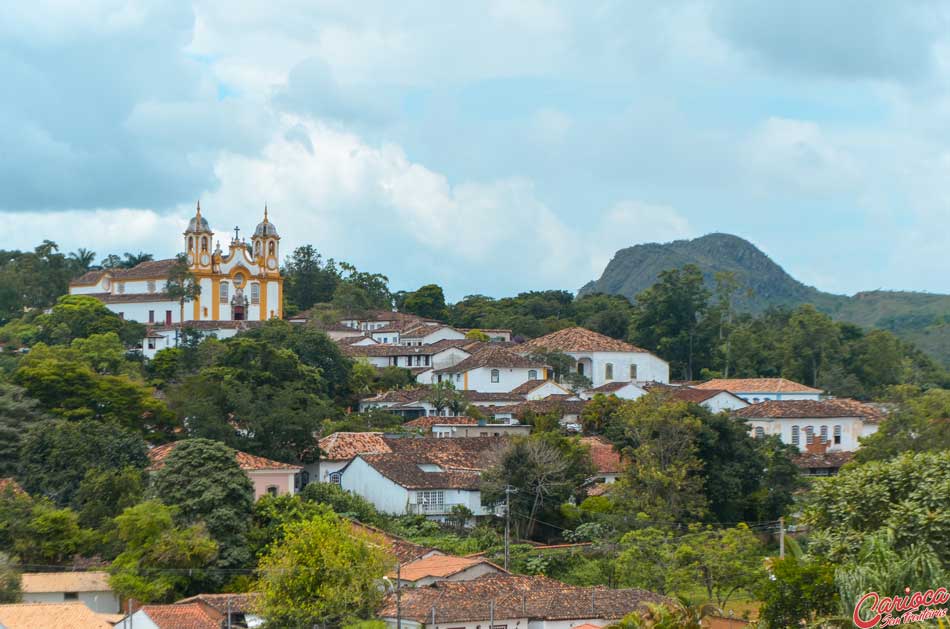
[239, 313]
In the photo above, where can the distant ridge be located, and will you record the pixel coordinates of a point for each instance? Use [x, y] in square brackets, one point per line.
[922, 318]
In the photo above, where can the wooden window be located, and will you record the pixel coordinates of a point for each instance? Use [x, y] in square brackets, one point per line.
[431, 501]
[336, 477]
[633, 372]
[532, 374]
[795, 436]
[495, 375]
[151, 316]
[824, 434]
[272, 490]
[151, 286]
[759, 432]
[223, 290]
[837, 435]
[255, 293]
[809, 434]
[609, 371]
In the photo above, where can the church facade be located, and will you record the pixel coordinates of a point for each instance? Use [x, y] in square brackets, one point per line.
[239, 286]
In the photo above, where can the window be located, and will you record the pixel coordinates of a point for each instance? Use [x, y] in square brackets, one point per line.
[824, 434]
[151, 316]
[223, 292]
[191, 243]
[257, 248]
[633, 372]
[580, 368]
[336, 477]
[204, 243]
[430, 501]
[609, 371]
[151, 343]
[151, 286]
[272, 490]
[837, 435]
[795, 436]
[121, 287]
[70, 596]
[255, 293]
[168, 317]
[532, 374]
[759, 432]
[270, 248]
[809, 435]
[495, 375]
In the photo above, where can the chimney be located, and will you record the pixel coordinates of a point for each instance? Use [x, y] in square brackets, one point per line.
[817, 446]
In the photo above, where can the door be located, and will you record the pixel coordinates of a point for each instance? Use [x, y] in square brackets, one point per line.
[168, 317]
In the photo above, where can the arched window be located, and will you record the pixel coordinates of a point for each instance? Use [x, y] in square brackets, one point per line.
[270, 248]
[609, 371]
[633, 372]
[223, 292]
[532, 374]
[759, 432]
[191, 243]
[255, 293]
[795, 436]
[809, 435]
[824, 434]
[257, 248]
[495, 375]
[204, 243]
[837, 435]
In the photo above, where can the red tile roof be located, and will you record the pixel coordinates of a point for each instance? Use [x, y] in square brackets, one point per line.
[248, 462]
[756, 385]
[405, 471]
[612, 387]
[577, 340]
[822, 460]
[74, 615]
[542, 407]
[492, 355]
[441, 566]
[42, 582]
[343, 446]
[528, 387]
[238, 603]
[605, 457]
[428, 421]
[193, 615]
[808, 409]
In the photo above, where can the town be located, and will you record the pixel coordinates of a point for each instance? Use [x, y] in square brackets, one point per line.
[187, 446]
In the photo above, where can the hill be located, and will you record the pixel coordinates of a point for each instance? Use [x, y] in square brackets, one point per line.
[922, 318]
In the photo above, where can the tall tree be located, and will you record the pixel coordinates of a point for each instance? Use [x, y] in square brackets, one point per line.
[17, 413]
[810, 339]
[181, 285]
[130, 260]
[82, 259]
[428, 301]
[308, 279]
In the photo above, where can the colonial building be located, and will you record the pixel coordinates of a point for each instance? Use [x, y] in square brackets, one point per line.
[839, 423]
[242, 284]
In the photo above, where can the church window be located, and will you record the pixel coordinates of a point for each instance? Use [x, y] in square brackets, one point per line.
[204, 243]
[204, 312]
[609, 371]
[238, 280]
[633, 372]
[257, 248]
[795, 436]
[255, 293]
[270, 248]
[191, 243]
[223, 292]
[151, 286]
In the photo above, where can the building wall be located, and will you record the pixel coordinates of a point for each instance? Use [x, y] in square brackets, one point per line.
[480, 379]
[546, 389]
[467, 497]
[262, 479]
[363, 480]
[758, 396]
[851, 429]
[650, 368]
[488, 430]
[138, 621]
[724, 402]
[469, 574]
[104, 602]
[138, 311]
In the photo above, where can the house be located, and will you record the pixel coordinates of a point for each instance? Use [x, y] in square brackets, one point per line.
[716, 400]
[266, 475]
[540, 389]
[623, 390]
[193, 615]
[455, 427]
[755, 390]
[412, 403]
[837, 422]
[495, 335]
[513, 601]
[423, 476]
[816, 460]
[74, 615]
[90, 588]
[606, 459]
[428, 570]
[492, 369]
[427, 334]
[438, 355]
[239, 608]
[338, 449]
[600, 358]
[568, 411]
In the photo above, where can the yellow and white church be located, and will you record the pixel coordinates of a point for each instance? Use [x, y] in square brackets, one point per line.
[238, 287]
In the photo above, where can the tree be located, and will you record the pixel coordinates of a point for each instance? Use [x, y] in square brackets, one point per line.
[919, 424]
[669, 318]
[181, 285]
[798, 592]
[272, 514]
[308, 280]
[443, 395]
[810, 339]
[105, 493]
[161, 561]
[477, 335]
[80, 316]
[32, 279]
[56, 455]
[342, 502]
[202, 480]
[321, 572]
[599, 412]
[51, 536]
[17, 413]
[82, 259]
[130, 260]
[906, 495]
[9, 581]
[428, 301]
[674, 615]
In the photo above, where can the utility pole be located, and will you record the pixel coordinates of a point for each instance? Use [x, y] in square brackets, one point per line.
[399, 595]
[781, 538]
[491, 614]
[508, 491]
[229, 612]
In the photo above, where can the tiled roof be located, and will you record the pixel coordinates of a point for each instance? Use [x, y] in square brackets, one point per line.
[404, 550]
[528, 387]
[808, 409]
[544, 407]
[689, 394]
[74, 615]
[463, 453]
[238, 603]
[209, 325]
[822, 460]
[598, 489]
[130, 298]
[440, 566]
[409, 396]
[404, 470]
[514, 596]
[605, 457]
[493, 356]
[423, 330]
[152, 269]
[577, 340]
[89, 278]
[248, 462]
[37, 582]
[612, 387]
[431, 349]
[343, 446]
[428, 421]
[756, 385]
[194, 615]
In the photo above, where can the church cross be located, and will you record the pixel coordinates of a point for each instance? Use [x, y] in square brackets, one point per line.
[236, 230]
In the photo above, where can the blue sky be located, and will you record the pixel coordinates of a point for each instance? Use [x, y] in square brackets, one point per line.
[492, 146]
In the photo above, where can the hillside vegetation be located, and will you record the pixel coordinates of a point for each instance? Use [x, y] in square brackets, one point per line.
[922, 318]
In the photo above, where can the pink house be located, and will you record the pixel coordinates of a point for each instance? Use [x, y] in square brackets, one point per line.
[267, 476]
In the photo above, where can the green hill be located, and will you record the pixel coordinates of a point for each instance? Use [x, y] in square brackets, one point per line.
[922, 318]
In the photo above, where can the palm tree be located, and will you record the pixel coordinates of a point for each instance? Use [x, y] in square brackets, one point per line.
[82, 259]
[680, 614]
[134, 259]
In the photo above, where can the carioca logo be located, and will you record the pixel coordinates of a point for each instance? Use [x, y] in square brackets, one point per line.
[882, 608]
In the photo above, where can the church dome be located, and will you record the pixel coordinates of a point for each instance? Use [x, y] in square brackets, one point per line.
[198, 224]
[265, 227]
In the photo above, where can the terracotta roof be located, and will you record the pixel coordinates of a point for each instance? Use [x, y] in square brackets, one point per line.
[612, 387]
[343, 446]
[10, 483]
[822, 460]
[194, 615]
[74, 615]
[598, 489]
[404, 550]
[543, 407]
[808, 409]
[464, 453]
[440, 566]
[493, 356]
[431, 349]
[239, 603]
[756, 385]
[514, 596]
[690, 394]
[248, 462]
[89, 278]
[423, 330]
[410, 396]
[428, 421]
[577, 340]
[404, 470]
[209, 325]
[130, 298]
[37, 582]
[528, 387]
[605, 457]
[146, 270]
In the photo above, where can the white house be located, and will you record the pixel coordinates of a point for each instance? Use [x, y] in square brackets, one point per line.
[457, 427]
[91, 588]
[623, 390]
[716, 400]
[411, 403]
[600, 358]
[428, 334]
[606, 459]
[755, 390]
[492, 369]
[338, 449]
[437, 355]
[838, 423]
[540, 389]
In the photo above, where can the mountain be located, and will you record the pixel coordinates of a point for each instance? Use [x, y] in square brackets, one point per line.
[922, 318]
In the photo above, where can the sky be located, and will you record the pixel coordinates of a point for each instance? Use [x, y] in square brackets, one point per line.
[488, 146]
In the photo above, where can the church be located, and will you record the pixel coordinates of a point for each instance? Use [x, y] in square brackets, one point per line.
[239, 287]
